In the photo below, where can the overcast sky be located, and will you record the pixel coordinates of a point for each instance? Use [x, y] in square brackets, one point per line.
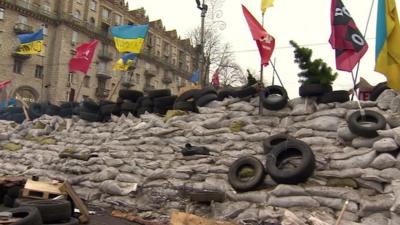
[307, 22]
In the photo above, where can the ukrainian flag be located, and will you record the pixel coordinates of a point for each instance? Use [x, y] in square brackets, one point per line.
[129, 38]
[388, 43]
[30, 43]
[125, 62]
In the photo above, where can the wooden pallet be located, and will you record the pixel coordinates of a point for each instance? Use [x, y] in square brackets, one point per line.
[41, 190]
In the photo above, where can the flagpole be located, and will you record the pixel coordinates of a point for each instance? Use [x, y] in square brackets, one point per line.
[358, 64]
[260, 108]
[273, 73]
[79, 89]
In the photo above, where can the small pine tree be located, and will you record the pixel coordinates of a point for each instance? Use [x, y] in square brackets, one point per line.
[313, 72]
[250, 79]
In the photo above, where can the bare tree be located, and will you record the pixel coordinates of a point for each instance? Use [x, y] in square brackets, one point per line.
[217, 54]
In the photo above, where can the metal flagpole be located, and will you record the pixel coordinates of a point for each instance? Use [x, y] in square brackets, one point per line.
[260, 108]
[358, 64]
[273, 73]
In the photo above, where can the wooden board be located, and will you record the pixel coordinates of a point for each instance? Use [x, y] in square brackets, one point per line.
[84, 218]
[180, 218]
[188, 87]
[43, 187]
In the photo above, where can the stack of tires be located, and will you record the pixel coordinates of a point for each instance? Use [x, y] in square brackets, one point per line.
[129, 101]
[38, 212]
[68, 109]
[90, 111]
[15, 114]
[323, 93]
[186, 101]
[248, 173]
[204, 96]
[162, 100]
[145, 105]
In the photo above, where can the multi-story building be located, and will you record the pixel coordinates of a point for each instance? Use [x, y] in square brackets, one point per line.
[166, 60]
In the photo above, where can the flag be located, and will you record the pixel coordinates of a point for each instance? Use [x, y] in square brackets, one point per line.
[129, 38]
[30, 43]
[349, 44]
[387, 43]
[195, 76]
[215, 79]
[4, 84]
[83, 57]
[265, 42]
[125, 62]
[266, 4]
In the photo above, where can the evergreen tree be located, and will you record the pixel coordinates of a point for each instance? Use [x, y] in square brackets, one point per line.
[250, 79]
[313, 72]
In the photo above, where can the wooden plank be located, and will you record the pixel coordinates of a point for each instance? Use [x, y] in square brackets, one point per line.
[43, 187]
[187, 88]
[180, 218]
[84, 218]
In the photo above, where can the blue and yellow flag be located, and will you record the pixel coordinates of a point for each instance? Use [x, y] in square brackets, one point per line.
[388, 43]
[129, 38]
[125, 62]
[30, 43]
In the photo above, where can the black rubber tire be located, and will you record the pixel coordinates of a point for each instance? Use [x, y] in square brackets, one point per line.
[91, 117]
[16, 109]
[128, 106]
[205, 99]
[71, 221]
[334, 96]
[91, 105]
[287, 150]
[377, 90]
[52, 110]
[205, 91]
[51, 211]
[14, 191]
[165, 102]
[67, 105]
[226, 92]
[187, 95]
[159, 93]
[29, 215]
[105, 102]
[248, 184]
[66, 112]
[308, 90]
[8, 201]
[131, 95]
[143, 110]
[188, 106]
[353, 122]
[146, 102]
[246, 92]
[36, 110]
[270, 104]
[17, 117]
[274, 140]
[107, 109]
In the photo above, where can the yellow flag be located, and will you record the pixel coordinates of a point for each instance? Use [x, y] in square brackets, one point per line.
[266, 4]
[387, 43]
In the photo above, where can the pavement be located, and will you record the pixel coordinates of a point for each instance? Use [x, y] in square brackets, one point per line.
[109, 220]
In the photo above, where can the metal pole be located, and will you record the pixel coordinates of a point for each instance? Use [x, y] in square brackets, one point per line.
[365, 33]
[273, 73]
[201, 68]
[260, 107]
[277, 75]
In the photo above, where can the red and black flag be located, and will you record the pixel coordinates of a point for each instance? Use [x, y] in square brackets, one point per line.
[346, 39]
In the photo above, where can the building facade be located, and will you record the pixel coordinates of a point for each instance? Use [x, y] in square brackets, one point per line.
[166, 60]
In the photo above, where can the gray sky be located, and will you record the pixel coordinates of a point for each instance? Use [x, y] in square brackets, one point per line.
[307, 22]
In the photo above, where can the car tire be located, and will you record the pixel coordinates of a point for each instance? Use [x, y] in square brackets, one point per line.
[91, 117]
[188, 106]
[28, 215]
[309, 90]
[286, 150]
[334, 96]
[225, 93]
[203, 92]
[356, 127]
[377, 90]
[36, 110]
[187, 95]
[51, 211]
[241, 184]
[131, 95]
[159, 93]
[246, 92]
[274, 140]
[273, 104]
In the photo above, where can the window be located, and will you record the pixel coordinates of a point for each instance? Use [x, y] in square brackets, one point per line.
[93, 5]
[92, 22]
[105, 14]
[77, 14]
[39, 72]
[74, 37]
[22, 19]
[86, 81]
[118, 20]
[45, 28]
[17, 66]
[1, 13]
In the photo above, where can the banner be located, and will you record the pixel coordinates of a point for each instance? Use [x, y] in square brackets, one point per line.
[129, 38]
[83, 57]
[30, 43]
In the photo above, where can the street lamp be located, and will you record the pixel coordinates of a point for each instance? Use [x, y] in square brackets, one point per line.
[203, 7]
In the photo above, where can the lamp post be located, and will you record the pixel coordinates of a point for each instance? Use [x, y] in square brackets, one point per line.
[203, 7]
